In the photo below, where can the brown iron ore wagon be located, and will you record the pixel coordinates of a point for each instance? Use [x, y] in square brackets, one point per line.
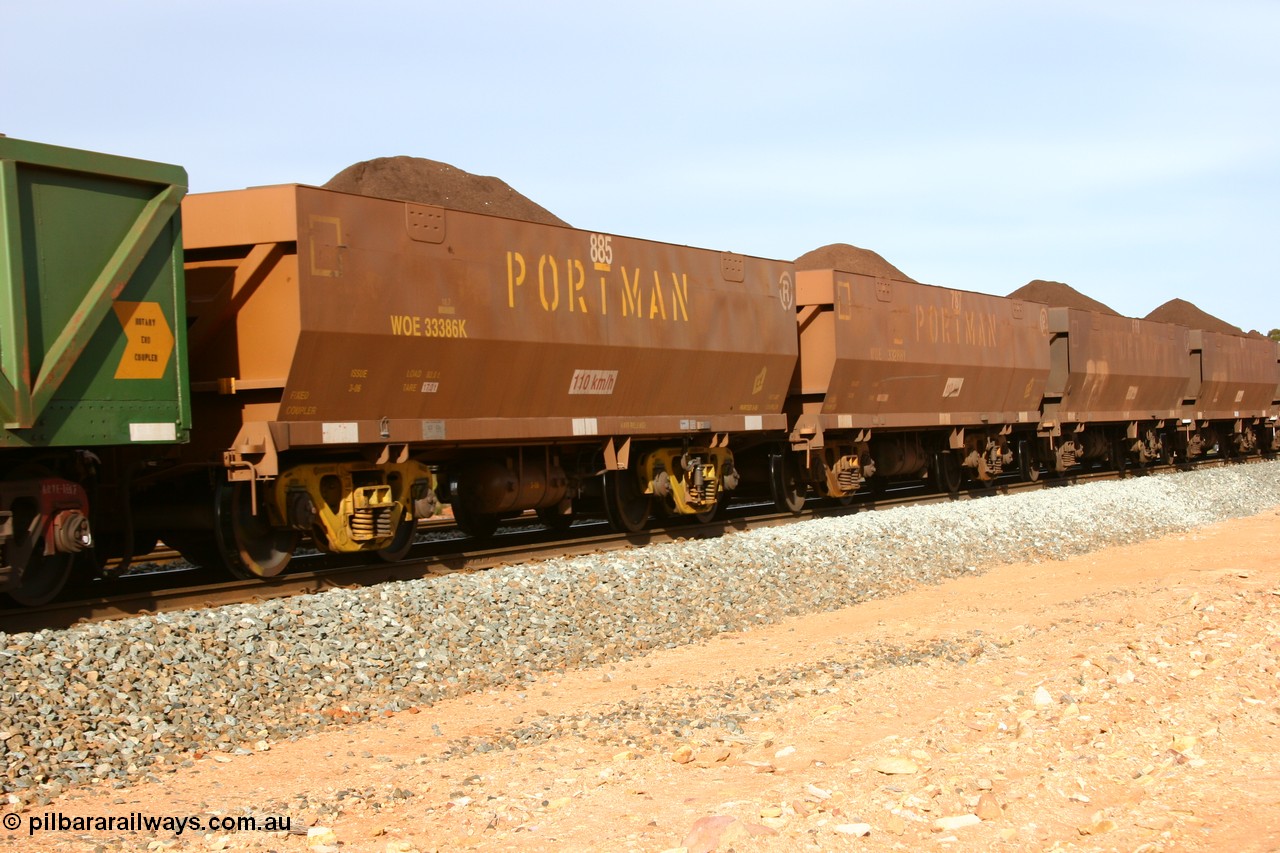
[1231, 395]
[1115, 390]
[353, 358]
[900, 379]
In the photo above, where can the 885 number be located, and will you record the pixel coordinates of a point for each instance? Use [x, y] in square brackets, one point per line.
[601, 248]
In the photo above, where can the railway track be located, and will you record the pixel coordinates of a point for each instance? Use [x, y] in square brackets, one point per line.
[173, 589]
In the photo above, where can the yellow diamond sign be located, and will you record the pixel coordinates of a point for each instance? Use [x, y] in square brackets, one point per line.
[149, 340]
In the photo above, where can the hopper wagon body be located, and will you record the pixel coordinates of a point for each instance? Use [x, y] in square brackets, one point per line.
[1116, 388]
[1230, 402]
[355, 357]
[901, 379]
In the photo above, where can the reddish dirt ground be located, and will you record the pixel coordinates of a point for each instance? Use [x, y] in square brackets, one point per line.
[1124, 700]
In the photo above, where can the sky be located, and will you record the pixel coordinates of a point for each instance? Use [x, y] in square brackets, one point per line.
[1128, 148]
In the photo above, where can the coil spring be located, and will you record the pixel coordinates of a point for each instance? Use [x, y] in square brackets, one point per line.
[995, 461]
[702, 493]
[371, 523]
[848, 478]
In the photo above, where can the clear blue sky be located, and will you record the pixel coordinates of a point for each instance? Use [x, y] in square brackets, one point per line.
[1130, 149]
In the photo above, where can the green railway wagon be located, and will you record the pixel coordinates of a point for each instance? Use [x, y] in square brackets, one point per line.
[93, 374]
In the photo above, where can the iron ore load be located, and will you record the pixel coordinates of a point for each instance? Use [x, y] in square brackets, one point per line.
[291, 364]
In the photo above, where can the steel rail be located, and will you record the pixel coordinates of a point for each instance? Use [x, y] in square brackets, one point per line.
[318, 573]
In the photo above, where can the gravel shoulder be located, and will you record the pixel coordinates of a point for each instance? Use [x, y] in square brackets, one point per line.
[1120, 699]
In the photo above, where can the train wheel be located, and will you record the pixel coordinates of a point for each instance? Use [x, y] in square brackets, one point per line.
[786, 482]
[553, 519]
[250, 547]
[43, 578]
[401, 542]
[710, 515]
[1119, 457]
[196, 547]
[626, 507]
[946, 470]
[877, 485]
[1027, 466]
[477, 525]
[144, 543]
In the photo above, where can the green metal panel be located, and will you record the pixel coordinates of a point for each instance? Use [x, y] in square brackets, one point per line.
[92, 300]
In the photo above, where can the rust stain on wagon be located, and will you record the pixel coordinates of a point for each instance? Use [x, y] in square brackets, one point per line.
[484, 325]
[1116, 368]
[898, 354]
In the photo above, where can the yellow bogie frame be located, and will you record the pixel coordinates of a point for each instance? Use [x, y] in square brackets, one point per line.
[352, 506]
[689, 480]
